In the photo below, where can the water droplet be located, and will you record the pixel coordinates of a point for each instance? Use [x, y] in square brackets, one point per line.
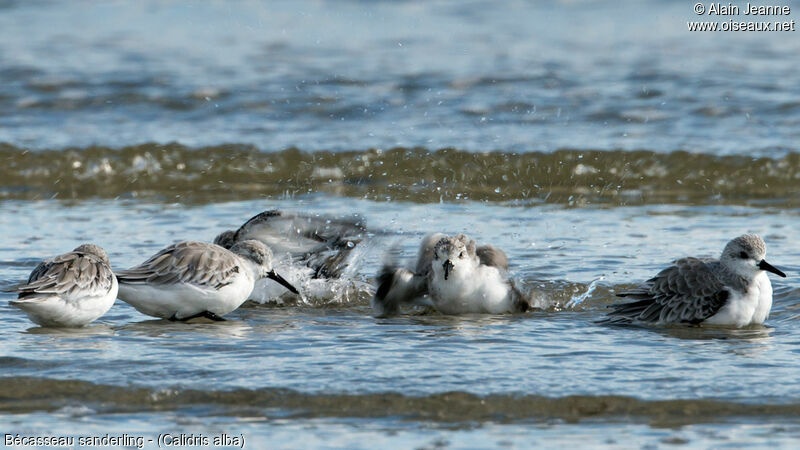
[497, 190]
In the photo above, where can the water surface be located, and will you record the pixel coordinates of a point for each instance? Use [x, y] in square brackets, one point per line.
[593, 141]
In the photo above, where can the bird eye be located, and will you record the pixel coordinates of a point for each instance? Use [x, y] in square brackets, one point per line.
[743, 255]
[461, 255]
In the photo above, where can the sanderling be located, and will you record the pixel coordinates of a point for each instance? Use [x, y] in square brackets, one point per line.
[308, 248]
[733, 290]
[70, 290]
[457, 276]
[197, 279]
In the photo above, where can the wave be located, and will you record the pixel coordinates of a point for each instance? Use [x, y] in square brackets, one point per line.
[573, 178]
[27, 394]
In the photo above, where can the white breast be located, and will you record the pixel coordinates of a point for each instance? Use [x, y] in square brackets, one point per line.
[483, 291]
[764, 298]
[749, 308]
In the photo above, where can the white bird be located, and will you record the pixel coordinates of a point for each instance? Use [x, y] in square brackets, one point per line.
[311, 251]
[70, 290]
[197, 279]
[733, 290]
[457, 276]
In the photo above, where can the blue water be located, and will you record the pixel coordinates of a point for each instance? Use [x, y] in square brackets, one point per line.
[329, 76]
[355, 75]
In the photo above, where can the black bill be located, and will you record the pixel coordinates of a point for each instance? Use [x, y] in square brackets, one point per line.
[274, 276]
[764, 265]
[448, 266]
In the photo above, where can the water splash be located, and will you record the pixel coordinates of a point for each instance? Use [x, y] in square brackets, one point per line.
[579, 299]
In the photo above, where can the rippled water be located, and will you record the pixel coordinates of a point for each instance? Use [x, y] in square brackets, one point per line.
[355, 75]
[327, 362]
[592, 141]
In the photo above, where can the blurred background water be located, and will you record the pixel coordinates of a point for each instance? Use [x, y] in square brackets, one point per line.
[593, 141]
[353, 75]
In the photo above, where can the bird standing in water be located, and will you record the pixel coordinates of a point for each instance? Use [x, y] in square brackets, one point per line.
[197, 279]
[70, 290]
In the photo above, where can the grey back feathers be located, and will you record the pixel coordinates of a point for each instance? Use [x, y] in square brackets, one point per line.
[689, 291]
[492, 256]
[197, 263]
[94, 250]
[85, 269]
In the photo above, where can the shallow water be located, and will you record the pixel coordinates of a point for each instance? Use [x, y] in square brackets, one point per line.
[592, 142]
[354, 75]
[331, 365]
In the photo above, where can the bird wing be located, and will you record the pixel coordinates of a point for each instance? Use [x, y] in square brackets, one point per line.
[40, 270]
[322, 243]
[197, 263]
[522, 302]
[397, 286]
[66, 275]
[489, 255]
[425, 255]
[328, 264]
[689, 291]
[298, 233]
[492, 256]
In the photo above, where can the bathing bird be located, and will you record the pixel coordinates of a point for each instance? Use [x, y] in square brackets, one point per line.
[310, 250]
[456, 275]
